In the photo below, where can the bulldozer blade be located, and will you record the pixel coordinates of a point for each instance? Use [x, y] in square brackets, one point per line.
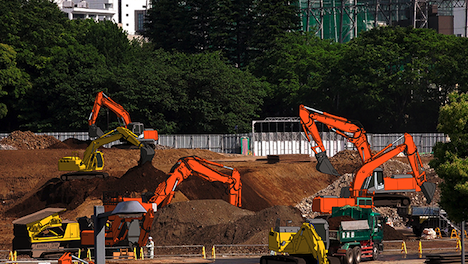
[428, 189]
[95, 131]
[146, 154]
[324, 165]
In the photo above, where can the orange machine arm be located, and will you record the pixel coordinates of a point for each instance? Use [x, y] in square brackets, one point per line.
[103, 100]
[352, 132]
[197, 166]
[419, 175]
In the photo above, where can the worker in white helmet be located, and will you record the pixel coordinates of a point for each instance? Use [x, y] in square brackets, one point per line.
[150, 246]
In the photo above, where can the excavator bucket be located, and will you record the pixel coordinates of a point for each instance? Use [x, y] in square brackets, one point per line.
[324, 165]
[95, 131]
[428, 189]
[146, 154]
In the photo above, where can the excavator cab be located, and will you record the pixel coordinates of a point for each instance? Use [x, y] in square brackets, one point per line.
[136, 127]
[375, 182]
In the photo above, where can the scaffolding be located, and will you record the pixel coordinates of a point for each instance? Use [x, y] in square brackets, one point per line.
[342, 20]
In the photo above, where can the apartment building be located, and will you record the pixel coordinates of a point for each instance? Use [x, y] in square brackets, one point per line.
[129, 14]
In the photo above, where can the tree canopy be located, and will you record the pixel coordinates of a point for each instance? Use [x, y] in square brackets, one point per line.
[451, 159]
[241, 30]
[211, 66]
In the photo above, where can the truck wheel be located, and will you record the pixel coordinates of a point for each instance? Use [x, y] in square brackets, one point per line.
[375, 252]
[348, 259]
[357, 255]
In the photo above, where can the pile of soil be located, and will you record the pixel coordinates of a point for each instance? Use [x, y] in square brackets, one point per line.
[334, 222]
[346, 161]
[71, 143]
[28, 140]
[391, 233]
[136, 181]
[208, 222]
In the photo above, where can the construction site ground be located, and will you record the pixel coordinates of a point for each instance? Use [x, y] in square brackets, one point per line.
[273, 187]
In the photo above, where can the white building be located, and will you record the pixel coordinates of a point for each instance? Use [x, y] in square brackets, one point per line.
[129, 14]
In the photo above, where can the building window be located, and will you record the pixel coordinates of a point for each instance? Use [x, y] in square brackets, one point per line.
[79, 16]
[139, 20]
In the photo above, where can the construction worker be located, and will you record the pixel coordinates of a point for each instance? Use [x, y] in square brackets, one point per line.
[150, 246]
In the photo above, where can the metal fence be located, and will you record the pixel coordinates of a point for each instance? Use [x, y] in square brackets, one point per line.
[271, 143]
[274, 143]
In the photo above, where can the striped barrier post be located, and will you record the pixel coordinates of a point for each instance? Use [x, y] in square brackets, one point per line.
[403, 248]
[420, 249]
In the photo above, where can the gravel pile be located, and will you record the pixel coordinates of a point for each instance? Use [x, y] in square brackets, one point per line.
[350, 161]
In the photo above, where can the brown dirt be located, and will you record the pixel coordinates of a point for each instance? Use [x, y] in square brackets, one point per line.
[31, 183]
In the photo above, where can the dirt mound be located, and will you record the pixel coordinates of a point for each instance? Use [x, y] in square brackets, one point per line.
[346, 161]
[334, 222]
[208, 222]
[137, 180]
[391, 233]
[71, 143]
[28, 140]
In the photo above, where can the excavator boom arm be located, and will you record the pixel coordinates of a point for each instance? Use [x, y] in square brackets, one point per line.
[103, 100]
[197, 166]
[342, 126]
[147, 152]
[418, 173]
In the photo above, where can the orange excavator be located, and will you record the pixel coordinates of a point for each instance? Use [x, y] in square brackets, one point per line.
[147, 135]
[369, 187]
[135, 231]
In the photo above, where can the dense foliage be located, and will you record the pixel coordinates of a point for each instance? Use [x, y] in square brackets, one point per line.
[451, 158]
[213, 66]
[240, 29]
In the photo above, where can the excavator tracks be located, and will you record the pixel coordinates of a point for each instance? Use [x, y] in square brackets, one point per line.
[78, 175]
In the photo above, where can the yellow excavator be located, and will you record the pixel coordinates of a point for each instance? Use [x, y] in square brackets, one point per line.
[93, 162]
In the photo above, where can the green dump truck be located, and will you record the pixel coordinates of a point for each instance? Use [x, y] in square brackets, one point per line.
[348, 235]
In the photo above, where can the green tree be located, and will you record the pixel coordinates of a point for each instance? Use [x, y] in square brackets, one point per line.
[14, 82]
[63, 94]
[297, 68]
[189, 93]
[451, 159]
[218, 97]
[394, 79]
[240, 29]
[274, 19]
[106, 36]
[233, 31]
